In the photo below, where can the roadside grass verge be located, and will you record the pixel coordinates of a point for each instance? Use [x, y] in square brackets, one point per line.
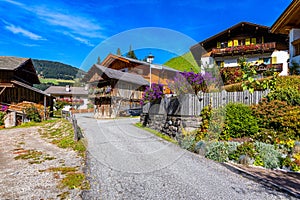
[158, 134]
[61, 133]
[32, 123]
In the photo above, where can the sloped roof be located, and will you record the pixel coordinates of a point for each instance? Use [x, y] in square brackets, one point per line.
[236, 26]
[117, 75]
[111, 57]
[242, 28]
[11, 63]
[29, 87]
[60, 90]
[290, 18]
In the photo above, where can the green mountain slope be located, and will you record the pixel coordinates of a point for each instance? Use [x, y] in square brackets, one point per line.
[57, 70]
[185, 62]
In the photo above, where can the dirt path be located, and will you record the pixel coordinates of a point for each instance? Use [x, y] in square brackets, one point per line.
[27, 178]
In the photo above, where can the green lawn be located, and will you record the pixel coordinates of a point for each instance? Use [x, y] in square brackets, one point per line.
[55, 81]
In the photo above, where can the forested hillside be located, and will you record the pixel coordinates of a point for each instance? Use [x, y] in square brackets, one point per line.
[56, 70]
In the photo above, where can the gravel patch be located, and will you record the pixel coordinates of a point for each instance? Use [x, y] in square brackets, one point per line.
[21, 180]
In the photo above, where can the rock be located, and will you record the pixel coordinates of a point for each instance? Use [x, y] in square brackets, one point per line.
[244, 160]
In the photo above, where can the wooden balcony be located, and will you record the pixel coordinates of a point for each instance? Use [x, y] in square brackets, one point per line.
[244, 49]
[272, 67]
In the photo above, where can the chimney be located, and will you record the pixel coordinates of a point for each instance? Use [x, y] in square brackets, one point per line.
[67, 88]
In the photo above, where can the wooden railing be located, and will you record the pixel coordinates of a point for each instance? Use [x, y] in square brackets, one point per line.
[245, 49]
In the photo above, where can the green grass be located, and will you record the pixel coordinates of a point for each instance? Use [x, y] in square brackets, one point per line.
[55, 81]
[32, 123]
[33, 156]
[62, 170]
[61, 133]
[158, 134]
[75, 180]
[186, 62]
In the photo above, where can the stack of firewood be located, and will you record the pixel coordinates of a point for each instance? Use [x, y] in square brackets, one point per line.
[21, 107]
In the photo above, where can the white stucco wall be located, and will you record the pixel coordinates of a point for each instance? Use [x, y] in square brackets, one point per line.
[282, 57]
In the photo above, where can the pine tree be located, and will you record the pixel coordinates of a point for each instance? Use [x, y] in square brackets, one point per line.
[119, 52]
[131, 54]
[98, 60]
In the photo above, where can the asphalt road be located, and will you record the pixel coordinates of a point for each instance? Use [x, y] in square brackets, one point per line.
[125, 162]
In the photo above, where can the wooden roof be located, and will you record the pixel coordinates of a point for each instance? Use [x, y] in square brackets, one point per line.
[60, 90]
[245, 29]
[112, 57]
[115, 74]
[30, 88]
[22, 68]
[11, 63]
[289, 19]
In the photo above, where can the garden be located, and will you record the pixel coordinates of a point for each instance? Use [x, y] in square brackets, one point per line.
[266, 134]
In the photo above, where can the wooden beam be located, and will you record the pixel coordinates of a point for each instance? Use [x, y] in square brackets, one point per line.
[2, 90]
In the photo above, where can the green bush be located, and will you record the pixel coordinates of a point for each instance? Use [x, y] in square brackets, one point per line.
[290, 95]
[277, 119]
[233, 153]
[239, 121]
[288, 82]
[270, 157]
[217, 151]
[2, 115]
[206, 114]
[33, 114]
[188, 142]
[246, 148]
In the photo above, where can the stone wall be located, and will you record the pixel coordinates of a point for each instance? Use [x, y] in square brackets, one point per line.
[170, 125]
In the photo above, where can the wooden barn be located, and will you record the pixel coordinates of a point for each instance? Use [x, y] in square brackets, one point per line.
[151, 72]
[17, 76]
[113, 91]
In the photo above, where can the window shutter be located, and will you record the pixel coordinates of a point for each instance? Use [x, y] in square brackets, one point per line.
[235, 43]
[253, 40]
[218, 44]
[230, 43]
[247, 41]
[274, 60]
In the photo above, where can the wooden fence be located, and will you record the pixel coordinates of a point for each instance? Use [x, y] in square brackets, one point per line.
[71, 117]
[191, 104]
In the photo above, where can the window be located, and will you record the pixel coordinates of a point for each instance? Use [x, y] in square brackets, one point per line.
[220, 63]
[297, 49]
[253, 40]
[267, 60]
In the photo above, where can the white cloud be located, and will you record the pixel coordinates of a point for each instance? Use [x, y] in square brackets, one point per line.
[76, 24]
[18, 30]
[79, 26]
[81, 40]
[14, 2]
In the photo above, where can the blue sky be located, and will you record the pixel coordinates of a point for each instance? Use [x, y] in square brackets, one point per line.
[69, 31]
